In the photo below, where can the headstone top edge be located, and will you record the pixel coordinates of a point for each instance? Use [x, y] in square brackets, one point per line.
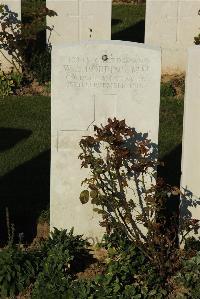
[107, 42]
[194, 48]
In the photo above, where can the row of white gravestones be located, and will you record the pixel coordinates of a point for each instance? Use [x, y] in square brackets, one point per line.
[92, 81]
[14, 6]
[172, 25]
[190, 181]
[78, 20]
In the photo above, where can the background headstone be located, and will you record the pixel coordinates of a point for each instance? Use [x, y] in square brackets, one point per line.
[190, 181]
[91, 82]
[15, 7]
[78, 20]
[172, 25]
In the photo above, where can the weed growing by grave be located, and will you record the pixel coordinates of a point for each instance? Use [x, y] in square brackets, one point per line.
[122, 163]
[187, 280]
[18, 270]
[9, 83]
[167, 89]
[44, 217]
[128, 274]
[47, 269]
[173, 86]
[64, 254]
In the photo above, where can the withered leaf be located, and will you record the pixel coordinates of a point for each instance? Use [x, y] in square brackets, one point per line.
[84, 196]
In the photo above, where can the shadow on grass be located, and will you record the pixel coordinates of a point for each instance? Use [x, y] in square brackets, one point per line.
[134, 33]
[9, 137]
[171, 172]
[25, 191]
[116, 22]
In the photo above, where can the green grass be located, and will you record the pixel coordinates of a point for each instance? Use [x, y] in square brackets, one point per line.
[31, 117]
[128, 22]
[33, 114]
[171, 120]
[170, 139]
[24, 162]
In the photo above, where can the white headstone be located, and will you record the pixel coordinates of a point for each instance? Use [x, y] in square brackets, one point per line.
[172, 25]
[15, 7]
[90, 83]
[78, 20]
[190, 181]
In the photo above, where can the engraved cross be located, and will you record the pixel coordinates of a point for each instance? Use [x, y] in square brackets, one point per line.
[79, 16]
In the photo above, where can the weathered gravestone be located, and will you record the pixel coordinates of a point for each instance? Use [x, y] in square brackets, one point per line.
[91, 82]
[14, 7]
[78, 20]
[172, 25]
[190, 182]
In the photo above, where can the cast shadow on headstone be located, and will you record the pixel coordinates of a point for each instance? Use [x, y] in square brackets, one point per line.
[10, 17]
[177, 203]
[9, 137]
[136, 159]
[188, 200]
[25, 191]
[134, 33]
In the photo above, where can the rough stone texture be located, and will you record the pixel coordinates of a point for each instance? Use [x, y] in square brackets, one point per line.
[172, 25]
[190, 181]
[15, 7]
[91, 82]
[78, 20]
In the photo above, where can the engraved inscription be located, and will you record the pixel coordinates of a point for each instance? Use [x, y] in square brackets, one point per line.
[111, 73]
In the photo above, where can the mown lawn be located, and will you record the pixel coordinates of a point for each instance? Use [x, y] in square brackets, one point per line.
[25, 129]
[128, 22]
[24, 162]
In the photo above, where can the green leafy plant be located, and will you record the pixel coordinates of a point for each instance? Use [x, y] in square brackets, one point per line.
[75, 244]
[9, 83]
[122, 161]
[128, 274]
[6, 85]
[192, 243]
[187, 281]
[54, 278]
[18, 270]
[63, 254]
